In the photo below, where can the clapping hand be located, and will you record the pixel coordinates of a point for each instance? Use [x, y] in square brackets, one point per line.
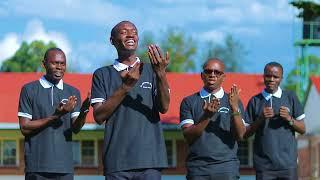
[131, 76]
[86, 103]
[268, 112]
[284, 113]
[210, 107]
[66, 107]
[158, 61]
[234, 97]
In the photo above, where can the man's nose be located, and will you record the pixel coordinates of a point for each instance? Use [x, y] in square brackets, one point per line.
[271, 78]
[130, 33]
[59, 66]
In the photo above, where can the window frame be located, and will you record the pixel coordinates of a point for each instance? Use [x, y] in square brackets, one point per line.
[173, 152]
[17, 155]
[95, 150]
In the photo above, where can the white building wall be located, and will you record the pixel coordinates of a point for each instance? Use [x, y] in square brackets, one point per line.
[312, 111]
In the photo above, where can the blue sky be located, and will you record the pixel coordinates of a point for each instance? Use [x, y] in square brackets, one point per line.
[81, 28]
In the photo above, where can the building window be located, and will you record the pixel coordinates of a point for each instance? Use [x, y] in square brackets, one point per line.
[245, 153]
[87, 153]
[84, 153]
[171, 152]
[8, 152]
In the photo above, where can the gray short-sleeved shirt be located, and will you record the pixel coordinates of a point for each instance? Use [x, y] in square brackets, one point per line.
[49, 150]
[275, 146]
[215, 151]
[133, 137]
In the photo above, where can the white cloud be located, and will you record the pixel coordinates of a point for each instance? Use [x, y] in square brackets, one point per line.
[93, 12]
[89, 56]
[34, 31]
[161, 12]
[8, 45]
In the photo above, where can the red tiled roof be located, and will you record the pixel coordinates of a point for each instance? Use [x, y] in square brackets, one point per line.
[181, 85]
[11, 84]
[316, 81]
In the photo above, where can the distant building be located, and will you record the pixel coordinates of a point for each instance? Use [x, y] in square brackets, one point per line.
[309, 144]
[312, 106]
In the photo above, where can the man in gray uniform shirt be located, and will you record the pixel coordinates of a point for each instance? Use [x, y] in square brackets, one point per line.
[128, 96]
[49, 112]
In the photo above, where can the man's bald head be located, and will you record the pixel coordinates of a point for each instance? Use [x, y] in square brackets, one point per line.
[216, 60]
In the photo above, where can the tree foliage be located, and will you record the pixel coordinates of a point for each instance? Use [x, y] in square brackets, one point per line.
[294, 78]
[145, 41]
[182, 49]
[231, 52]
[27, 58]
[310, 10]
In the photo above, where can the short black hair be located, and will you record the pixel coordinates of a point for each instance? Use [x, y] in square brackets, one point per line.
[273, 64]
[115, 28]
[49, 50]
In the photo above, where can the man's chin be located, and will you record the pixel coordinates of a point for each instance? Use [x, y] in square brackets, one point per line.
[212, 87]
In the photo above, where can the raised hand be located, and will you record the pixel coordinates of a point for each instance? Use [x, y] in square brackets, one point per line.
[65, 107]
[284, 113]
[130, 77]
[234, 97]
[209, 108]
[158, 61]
[86, 103]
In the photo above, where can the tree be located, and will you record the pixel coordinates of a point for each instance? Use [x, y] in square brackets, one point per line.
[310, 10]
[146, 40]
[231, 52]
[294, 78]
[182, 49]
[27, 58]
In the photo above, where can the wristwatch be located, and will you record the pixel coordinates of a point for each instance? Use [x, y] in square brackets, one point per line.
[291, 122]
[236, 113]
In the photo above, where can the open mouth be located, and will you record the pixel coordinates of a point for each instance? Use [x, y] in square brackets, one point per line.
[58, 74]
[130, 42]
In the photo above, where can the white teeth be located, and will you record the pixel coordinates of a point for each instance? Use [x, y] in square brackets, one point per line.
[130, 41]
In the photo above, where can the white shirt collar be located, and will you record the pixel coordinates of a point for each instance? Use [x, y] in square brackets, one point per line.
[219, 94]
[46, 84]
[120, 66]
[267, 95]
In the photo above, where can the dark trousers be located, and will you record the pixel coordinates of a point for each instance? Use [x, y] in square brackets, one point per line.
[48, 176]
[289, 174]
[218, 176]
[140, 174]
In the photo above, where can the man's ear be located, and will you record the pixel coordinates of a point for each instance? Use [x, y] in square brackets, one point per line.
[111, 40]
[202, 75]
[223, 77]
[43, 64]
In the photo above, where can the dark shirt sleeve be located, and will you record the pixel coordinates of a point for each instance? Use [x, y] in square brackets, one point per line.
[25, 106]
[250, 112]
[98, 93]
[185, 113]
[297, 108]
